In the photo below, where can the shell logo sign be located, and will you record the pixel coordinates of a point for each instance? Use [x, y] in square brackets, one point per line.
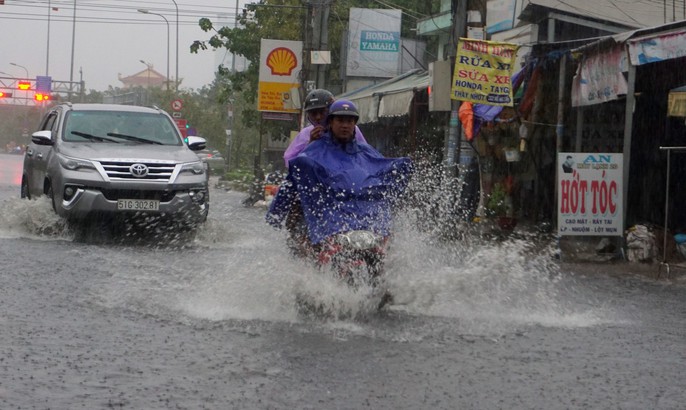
[282, 61]
[280, 66]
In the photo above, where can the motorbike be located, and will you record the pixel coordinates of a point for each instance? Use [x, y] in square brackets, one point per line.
[338, 204]
[355, 259]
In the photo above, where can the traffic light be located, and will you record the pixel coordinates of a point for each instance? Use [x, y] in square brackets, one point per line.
[24, 85]
[42, 97]
[4, 94]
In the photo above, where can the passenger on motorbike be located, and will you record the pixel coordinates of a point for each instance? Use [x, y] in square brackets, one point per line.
[342, 184]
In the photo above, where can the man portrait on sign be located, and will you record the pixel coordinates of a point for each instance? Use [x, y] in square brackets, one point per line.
[568, 165]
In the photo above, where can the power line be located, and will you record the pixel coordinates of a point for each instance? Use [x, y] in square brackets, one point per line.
[405, 11]
[85, 10]
[87, 20]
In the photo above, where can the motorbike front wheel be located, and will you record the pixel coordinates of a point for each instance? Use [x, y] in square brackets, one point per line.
[360, 268]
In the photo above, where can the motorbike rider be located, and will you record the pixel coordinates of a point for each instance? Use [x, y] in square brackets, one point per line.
[341, 183]
[316, 108]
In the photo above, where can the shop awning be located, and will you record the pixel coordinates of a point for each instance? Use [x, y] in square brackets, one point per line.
[676, 103]
[391, 98]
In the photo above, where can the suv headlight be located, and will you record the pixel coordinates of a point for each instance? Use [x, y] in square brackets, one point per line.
[74, 164]
[196, 168]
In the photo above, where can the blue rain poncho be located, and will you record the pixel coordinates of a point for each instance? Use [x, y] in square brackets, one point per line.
[341, 187]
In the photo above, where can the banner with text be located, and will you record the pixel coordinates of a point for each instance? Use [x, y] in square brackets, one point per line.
[589, 194]
[599, 78]
[483, 72]
[659, 48]
[280, 66]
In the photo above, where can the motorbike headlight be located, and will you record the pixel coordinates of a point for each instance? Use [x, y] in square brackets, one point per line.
[359, 239]
[196, 168]
[74, 164]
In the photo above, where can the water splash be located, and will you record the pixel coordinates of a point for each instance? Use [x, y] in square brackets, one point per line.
[33, 219]
[238, 269]
[482, 283]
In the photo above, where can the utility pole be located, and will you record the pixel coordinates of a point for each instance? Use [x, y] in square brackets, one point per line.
[176, 80]
[73, 40]
[318, 10]
[466, 170]
[454, 129]
[235, 26]
[231, 114]
[321, 32]
[47, 52]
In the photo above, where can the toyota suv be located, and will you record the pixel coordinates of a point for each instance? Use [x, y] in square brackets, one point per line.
[115, 160]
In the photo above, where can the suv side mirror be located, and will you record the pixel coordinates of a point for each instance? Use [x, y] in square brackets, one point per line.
[196, 143]
[42, 137]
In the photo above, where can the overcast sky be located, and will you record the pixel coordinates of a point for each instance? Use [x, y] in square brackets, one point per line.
[111, 37]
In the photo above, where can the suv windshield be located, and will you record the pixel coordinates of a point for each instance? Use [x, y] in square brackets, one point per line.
[122, 127]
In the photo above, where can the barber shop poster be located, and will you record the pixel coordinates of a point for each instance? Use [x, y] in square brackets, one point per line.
[483, 72]
[589, 194]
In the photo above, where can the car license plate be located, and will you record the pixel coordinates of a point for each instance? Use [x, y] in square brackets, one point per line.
[138, 205]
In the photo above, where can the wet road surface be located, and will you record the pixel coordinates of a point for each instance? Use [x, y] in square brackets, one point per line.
[212, 323]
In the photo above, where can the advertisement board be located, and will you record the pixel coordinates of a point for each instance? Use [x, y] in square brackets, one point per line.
[483, 72]
[280, 66]
[500, 15]
[373, 43]
[589, 194]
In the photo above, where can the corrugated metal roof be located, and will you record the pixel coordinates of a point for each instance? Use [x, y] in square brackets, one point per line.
[638, 34]
[409, 80]
[387, 99]
[630, 13]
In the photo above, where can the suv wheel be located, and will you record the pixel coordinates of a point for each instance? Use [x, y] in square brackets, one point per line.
[51, 195]
[25, 189]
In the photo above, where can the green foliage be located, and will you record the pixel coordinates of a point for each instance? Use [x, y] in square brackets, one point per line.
[274, 19]
[200, 108]
[93, 96]
[240, 179]
[497, 204]
[241, 174]
[258, 22]
[285, 20]
[14, 120]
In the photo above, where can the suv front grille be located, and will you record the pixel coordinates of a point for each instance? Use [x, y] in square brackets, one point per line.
[120, 170]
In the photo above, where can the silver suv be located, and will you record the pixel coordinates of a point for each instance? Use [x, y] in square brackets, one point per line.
[115, 160]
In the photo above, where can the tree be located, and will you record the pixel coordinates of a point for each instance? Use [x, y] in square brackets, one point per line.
[274, 19]
[93, 96]
[269, 19]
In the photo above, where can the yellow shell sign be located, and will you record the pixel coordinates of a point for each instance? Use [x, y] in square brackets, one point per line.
[282, 61]
[280, 67]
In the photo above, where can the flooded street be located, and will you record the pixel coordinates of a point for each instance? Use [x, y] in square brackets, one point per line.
[212, 323]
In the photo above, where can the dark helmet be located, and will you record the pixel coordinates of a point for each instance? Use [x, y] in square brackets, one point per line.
[318, 98]
[343, 108]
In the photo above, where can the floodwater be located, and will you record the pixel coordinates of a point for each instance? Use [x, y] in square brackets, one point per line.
[101, 322]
